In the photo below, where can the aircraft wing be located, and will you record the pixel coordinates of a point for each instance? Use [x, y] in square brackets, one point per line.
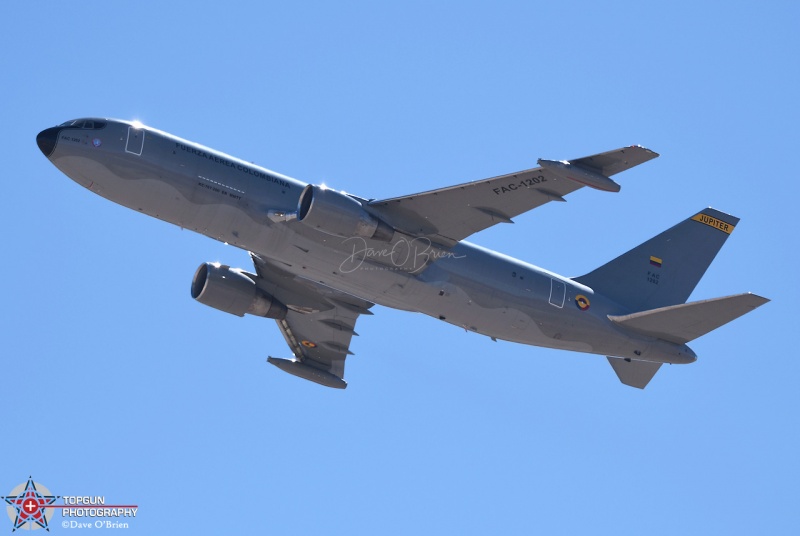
[318, 326]
[449, 215]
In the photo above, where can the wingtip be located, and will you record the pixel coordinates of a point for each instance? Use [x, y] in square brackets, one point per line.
[650, 151]
[758, 300]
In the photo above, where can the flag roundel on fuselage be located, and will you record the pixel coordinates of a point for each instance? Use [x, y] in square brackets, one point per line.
[582, 302]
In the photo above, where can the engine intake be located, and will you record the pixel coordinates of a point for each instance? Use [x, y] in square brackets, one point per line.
[233, 291]
[338, 214]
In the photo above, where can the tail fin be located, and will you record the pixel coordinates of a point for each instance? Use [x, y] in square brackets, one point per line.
[664, 270]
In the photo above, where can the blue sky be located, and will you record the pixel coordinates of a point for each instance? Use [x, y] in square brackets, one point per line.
[117, 383]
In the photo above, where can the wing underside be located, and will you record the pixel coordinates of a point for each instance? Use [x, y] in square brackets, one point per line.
[320, 321]
[318, 326]
[448, 215]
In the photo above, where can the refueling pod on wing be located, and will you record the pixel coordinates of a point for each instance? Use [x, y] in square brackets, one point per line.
[579, 174]
[308, 372]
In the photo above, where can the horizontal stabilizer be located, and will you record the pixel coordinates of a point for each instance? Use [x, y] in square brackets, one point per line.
[634, 373]
[685, 322]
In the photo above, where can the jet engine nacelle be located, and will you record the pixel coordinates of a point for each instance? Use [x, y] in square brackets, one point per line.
[338, 214]
[231, 290]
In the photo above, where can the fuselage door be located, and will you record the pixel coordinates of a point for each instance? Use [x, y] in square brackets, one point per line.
[135, 141]
[558, 291]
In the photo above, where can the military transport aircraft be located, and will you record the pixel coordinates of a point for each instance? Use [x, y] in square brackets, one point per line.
[323, 257]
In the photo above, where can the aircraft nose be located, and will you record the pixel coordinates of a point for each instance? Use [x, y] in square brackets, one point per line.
[46, 140]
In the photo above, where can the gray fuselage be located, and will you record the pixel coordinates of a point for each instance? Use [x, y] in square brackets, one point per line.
[230, 200]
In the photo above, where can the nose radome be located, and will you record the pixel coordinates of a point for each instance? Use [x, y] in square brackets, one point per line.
[46, 140]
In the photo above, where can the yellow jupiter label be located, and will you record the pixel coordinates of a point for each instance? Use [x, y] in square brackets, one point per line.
[715, 223]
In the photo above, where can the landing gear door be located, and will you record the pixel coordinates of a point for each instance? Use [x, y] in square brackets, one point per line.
[135, 141]
[558, 291]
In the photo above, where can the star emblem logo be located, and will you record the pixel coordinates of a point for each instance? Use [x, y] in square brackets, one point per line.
[28, 505]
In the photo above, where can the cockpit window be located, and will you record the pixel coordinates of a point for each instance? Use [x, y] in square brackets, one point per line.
[88, 124]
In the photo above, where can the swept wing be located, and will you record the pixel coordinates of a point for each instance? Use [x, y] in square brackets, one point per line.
[448, 215]
[318, 326]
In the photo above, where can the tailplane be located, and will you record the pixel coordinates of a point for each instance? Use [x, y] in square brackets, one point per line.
[664, 270]
[677, 324]
[654, 280]
[682, 323]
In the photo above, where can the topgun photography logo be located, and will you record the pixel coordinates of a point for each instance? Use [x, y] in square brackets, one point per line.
[31, 506]
[27, 506]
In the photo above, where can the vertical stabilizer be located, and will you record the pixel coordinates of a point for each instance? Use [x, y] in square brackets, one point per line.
[664, 270]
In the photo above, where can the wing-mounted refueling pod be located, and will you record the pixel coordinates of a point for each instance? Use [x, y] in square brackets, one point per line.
[579, 174]
[308, 372]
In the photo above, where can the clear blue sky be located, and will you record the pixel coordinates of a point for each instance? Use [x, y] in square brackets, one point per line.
[117, 383]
